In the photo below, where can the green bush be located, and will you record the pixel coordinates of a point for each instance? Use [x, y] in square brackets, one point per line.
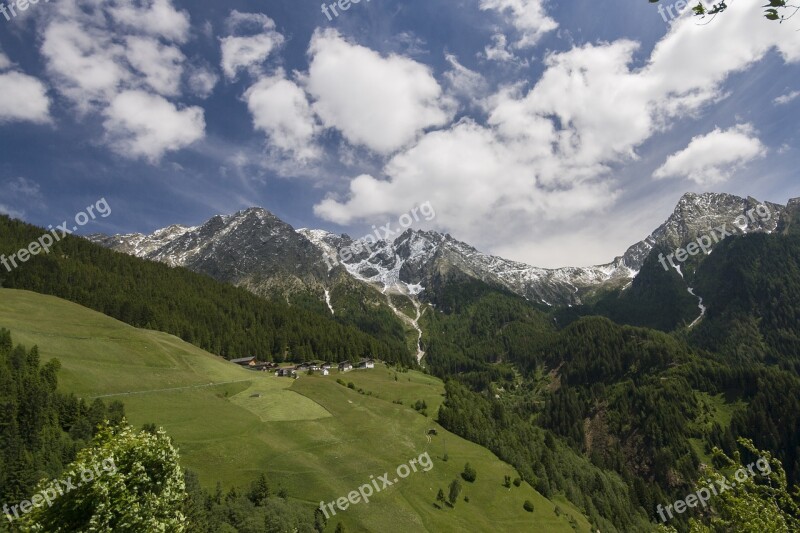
[469, 474]
[528, 506]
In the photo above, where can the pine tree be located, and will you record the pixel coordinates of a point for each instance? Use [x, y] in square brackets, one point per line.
[455, 490]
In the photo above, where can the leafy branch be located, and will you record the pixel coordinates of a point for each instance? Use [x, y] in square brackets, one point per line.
[774, 10]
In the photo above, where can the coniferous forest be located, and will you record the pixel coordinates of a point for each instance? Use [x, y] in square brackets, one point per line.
[220, 318]
[581, 404]
[618, 418]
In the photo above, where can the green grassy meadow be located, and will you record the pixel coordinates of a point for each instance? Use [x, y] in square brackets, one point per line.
[318, 439]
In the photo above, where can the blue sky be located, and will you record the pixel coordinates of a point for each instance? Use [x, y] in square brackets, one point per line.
[555, 134]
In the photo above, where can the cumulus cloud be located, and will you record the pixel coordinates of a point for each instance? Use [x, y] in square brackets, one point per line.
[5, 62]
[104, 57]
[248, 52]
[379, 102]
[478, 183]
[11, 212]
[202, 80]
[94, 50]
[464, 82]
[528, 17]
[279, 108]
[714, 157]
[158, 18]
[498, 50]
[786, 98]
[144, 125]
[160, 65]
[24, 99]
[547, 151]
[84, 63]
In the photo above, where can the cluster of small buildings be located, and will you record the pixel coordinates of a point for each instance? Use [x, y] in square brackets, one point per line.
[252, 363]
[347, 366]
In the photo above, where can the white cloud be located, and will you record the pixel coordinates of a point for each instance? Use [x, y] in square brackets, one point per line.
[248, 52]
[5, 62]
[547, 151]
[586, 111]
[714, 157]
[144, 125]
[280, 109]
[11, 212]
[528, 17]
[379, 102]
[202, 81]
[23, 187]
[24, 99]
[162, 66]
[106, 57]
[481, 186]
[786, 98]
[498, 50]
[463, 81]
[156, 17]
[94, 49]
[83, 62]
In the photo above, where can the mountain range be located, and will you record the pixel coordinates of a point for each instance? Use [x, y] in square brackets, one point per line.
[255, 249]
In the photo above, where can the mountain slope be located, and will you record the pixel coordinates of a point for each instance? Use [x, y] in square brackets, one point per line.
[311, 436]
[256, 250]
[218, 317]
[251, 248]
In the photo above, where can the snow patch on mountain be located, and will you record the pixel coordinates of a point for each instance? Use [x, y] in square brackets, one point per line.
[253, 246]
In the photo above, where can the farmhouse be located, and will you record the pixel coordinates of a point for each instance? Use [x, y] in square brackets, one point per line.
[245, 361]
[366, 363]
[263, 367]
[345, 366]
[287, 371]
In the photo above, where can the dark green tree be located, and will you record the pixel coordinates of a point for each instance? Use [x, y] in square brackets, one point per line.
[455, 490]
[469, 474]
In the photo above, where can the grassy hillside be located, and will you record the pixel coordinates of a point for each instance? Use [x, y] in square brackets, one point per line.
[313, 436]
[215, 316]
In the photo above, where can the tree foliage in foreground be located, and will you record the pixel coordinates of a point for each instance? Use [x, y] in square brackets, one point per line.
[255, 510]
[143, 492]
[775, 10]
[41, 429]
[760, 503]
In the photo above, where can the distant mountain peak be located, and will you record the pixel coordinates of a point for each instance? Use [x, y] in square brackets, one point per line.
[255, 248]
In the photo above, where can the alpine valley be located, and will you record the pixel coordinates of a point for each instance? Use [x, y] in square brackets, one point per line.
[256, 250]
[572, 399]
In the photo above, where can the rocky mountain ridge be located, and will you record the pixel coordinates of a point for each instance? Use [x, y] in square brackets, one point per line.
[255, 249]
